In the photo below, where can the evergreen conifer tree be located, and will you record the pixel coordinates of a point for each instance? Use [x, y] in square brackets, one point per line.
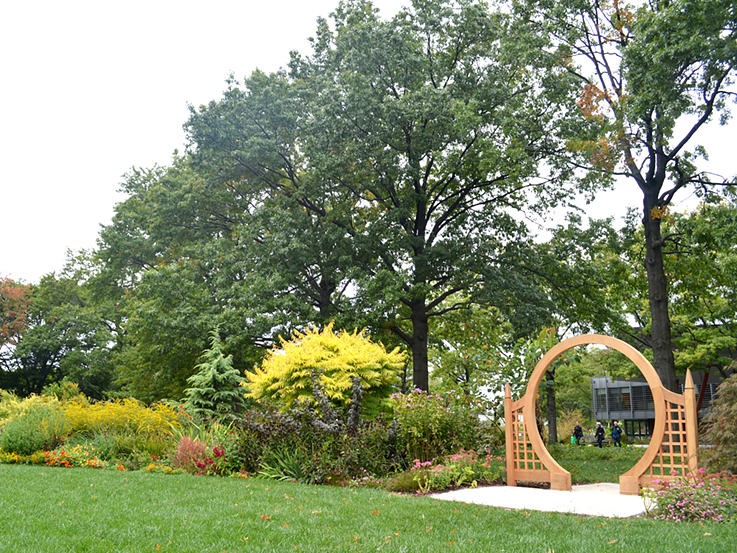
[216, 386]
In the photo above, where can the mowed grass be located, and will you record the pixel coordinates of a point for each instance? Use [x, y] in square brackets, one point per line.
[589, 464]
[45, 509]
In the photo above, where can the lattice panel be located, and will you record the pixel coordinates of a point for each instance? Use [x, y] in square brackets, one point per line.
[525, 457]
[672, 457]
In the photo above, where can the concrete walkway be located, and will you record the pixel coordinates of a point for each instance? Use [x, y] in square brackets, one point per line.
[602, 500]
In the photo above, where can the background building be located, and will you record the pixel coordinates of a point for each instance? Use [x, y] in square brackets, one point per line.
[630, 402]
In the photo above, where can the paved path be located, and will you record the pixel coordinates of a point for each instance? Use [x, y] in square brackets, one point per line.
[602, 500]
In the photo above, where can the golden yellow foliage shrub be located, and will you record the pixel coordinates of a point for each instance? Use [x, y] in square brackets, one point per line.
[128, 416]
[11, 406]
[285, 373]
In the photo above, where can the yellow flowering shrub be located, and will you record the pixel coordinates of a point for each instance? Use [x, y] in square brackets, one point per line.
[11, 406]
[128, 416]
[285, 373]
[121, 427]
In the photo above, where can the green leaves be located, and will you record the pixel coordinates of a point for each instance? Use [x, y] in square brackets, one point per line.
[217, 387]
[682, 61]
[642, 73]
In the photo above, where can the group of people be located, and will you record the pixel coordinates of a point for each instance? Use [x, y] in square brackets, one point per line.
[599, 434]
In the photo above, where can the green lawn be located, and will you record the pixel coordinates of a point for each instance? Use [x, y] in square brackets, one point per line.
[588, 464]
[46, 509]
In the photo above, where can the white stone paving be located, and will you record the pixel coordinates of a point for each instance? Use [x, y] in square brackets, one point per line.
[602, 500]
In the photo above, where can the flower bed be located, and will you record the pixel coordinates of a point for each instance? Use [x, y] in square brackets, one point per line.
[697, 497]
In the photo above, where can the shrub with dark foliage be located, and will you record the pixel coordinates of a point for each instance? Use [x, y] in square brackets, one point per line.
[315, 445]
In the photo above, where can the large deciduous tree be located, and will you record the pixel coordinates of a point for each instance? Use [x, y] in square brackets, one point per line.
[68, 335]
[416, 145]
[171, 260]
[701, 292]
[14, 304]
[652, 77]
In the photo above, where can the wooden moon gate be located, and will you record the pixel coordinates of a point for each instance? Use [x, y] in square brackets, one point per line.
[673, 449]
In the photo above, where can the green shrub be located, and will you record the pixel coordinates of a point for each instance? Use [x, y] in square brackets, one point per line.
[491, 435]
[226, 446]
[322, 450]
[41, 428]
[216, 388]
[134, 449]
[721, 429]
[64, 390]
[404, 482]
[430, 426]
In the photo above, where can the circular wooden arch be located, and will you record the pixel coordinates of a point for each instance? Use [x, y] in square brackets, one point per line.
[656, 387]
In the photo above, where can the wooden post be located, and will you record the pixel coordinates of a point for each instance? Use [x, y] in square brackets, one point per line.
[509, 425]
[692, 427]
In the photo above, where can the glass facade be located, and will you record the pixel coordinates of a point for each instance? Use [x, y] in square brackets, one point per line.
[631, 403]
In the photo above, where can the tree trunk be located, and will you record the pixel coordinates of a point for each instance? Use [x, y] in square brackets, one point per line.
[420, 330]
[661, 344]
[552, 412]
[539, 420]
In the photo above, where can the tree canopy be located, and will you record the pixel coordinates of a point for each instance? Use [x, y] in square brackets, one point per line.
[410, 149]
[652, 77]
[386, 179]
[14, 304]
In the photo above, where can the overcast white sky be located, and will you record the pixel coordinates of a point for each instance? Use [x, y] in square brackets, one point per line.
[89, 89]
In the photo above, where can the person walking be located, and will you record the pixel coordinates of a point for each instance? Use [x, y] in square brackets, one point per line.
[599, 434]
[616, 434]
[578, 433]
